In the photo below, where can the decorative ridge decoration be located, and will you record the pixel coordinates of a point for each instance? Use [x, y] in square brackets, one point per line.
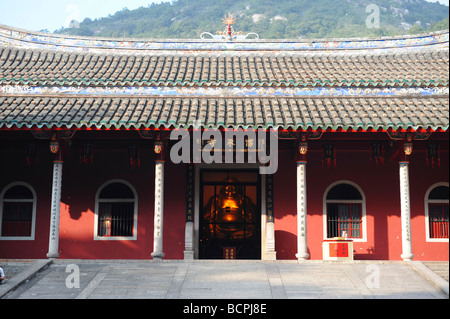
[229, 20]
[229, 33]
[21, 38]
[265, 91]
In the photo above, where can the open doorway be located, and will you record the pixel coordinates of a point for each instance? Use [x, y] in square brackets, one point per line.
[230, 214]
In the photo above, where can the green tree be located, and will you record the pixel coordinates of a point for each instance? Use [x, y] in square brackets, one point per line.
[416, 29]
[305, 18]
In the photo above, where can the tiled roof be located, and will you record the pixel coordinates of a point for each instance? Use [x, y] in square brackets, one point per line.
[44, 67]
[50, 81]
[306, 113]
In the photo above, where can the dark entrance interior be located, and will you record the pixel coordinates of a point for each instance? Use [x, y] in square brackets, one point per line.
[230, 216]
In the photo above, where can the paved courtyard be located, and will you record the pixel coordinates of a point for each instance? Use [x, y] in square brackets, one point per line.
[221, 280]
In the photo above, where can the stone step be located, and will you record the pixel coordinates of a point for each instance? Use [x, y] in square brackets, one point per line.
[440, 268]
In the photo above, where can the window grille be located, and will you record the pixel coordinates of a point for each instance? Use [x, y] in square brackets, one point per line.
[344, 205]
[344, 217]
[438, 220]
[116, 210]
[437, 204]
[16, 221]
[17, 214]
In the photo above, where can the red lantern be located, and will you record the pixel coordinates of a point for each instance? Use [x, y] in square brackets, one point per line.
[408, 148]
[54, 145]
[158, 147]
[303, 149]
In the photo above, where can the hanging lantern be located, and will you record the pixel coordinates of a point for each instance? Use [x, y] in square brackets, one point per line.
[87, 154]
[377, 153]
[408, 148]
[158, 147]
[135, 160]
[433, 155]
[329, 153]
[54, 145]
[303, 148]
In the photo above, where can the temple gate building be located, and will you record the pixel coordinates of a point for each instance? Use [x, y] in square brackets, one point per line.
[356, 131]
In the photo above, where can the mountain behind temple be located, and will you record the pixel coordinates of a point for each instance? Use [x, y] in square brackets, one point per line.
[271, 19]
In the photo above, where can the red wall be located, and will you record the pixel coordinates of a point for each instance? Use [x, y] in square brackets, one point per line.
[80, 184]
[381, 189]
[79, 187]
[13, 168]
[78, 206]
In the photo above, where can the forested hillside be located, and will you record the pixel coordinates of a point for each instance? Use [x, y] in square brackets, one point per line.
[271, 19]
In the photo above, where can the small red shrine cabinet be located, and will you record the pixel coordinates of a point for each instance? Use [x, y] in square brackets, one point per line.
[337, 249]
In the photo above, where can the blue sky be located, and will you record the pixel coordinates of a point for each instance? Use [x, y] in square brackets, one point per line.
[37, 15]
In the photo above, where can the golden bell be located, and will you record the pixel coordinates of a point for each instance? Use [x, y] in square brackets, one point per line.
[230, 214]
[230, 207]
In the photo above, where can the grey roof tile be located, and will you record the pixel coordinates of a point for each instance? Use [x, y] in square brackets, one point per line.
[338, 112]
[24, 66]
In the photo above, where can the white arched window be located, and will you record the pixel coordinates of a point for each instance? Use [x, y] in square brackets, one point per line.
[116, 211]
[345, 211]
[436, 212]
[17, 212]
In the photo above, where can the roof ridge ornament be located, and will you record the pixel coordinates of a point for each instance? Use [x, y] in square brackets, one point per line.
[229, 33]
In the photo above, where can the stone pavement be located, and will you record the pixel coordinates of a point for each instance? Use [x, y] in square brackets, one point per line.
[82, 279]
